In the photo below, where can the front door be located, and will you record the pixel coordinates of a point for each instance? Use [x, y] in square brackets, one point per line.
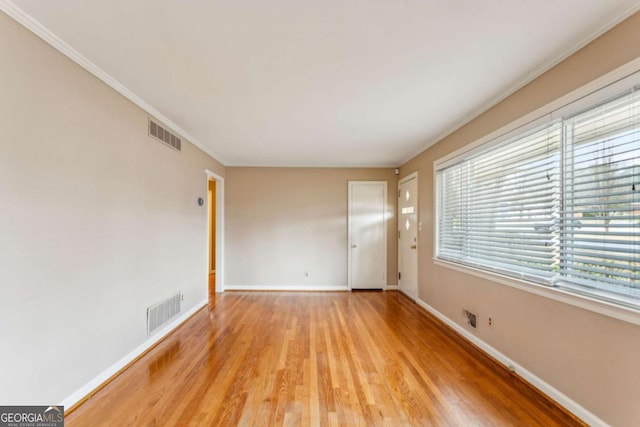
[367, 235]
[408, 236]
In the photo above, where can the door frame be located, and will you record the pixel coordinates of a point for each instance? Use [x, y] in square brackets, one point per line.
[212, 176]
[385, 218]
[413, 175]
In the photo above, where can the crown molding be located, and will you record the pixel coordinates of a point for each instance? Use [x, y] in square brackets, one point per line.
[45, 34]
[531, 76]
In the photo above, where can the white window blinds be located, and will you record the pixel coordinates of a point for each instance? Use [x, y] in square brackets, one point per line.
[496, 209]
[559, 205]
[600, 233]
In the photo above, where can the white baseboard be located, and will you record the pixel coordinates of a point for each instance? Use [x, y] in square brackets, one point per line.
[411, 297]
[531, 378]
[392, 287]
[546, 388]
[86, 389]
[284, 288]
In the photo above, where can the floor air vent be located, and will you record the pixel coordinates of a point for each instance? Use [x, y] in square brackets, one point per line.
[160, 133]
[159, 314]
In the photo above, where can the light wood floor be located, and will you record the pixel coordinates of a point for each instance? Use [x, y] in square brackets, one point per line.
[362, 358]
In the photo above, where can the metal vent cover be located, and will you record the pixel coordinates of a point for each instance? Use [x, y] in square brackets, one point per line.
[161, 133]
[161, 313]
[472, 318]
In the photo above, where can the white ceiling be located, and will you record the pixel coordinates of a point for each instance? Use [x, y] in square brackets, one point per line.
[325, 82]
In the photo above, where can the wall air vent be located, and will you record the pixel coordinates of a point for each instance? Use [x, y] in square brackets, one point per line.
[162, 134]
[161, 313]
[472, 318]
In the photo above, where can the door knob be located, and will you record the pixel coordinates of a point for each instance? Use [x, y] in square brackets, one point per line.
[414, 246]
[354, 246]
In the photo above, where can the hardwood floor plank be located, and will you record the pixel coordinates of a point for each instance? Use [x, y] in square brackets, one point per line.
[316, 359]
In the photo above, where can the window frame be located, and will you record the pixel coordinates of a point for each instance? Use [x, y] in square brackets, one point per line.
[591, 94]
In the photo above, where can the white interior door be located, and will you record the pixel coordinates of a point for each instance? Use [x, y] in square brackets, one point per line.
[408, 236]
[367, 235]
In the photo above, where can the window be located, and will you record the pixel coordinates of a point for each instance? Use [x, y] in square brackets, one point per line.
[558, 205]
[600, 222]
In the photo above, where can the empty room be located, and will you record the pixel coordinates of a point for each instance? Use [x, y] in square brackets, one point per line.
[399, 213]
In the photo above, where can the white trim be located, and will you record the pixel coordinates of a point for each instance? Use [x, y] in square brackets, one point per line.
[436, 217]
[311, 165]
[219, 229]
[310, 288]
[408, 178]
[544, 387]
[349, 279]
[103, 376]
[528, 79]
[392, 287]
[609, 82]
[619, 312]
[492, 140]
[385, 217]
[45, 34]
[416, 299]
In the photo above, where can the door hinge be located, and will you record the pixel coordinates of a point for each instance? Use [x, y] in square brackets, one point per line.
[398, 193]
[398, 234]
[399, 276]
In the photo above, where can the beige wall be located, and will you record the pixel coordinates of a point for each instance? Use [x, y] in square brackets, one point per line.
[281, 222]
[97, 222]
[589, 357]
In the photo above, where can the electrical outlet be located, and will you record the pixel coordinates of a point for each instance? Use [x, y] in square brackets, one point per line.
[490, 322]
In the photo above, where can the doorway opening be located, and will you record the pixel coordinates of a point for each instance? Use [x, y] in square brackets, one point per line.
[215, 235]
[211, 214]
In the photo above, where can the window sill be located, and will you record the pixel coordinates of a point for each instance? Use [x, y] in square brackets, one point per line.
[605, 308]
